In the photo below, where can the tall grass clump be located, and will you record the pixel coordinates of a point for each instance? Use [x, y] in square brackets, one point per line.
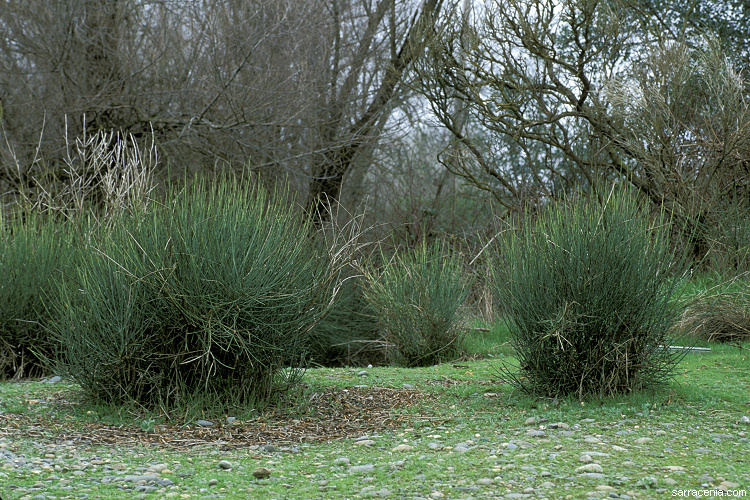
[348, 334]
[419, 298]
[208, 298]
[586, 292]
[34, 254]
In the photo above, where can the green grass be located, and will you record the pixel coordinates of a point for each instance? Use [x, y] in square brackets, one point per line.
[465, 402]
[488, 339]
[710, 283]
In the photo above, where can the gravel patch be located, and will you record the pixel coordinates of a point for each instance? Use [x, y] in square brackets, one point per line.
[618, 460]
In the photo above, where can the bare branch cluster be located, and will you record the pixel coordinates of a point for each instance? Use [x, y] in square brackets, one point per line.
[289, 89]
[580, 93]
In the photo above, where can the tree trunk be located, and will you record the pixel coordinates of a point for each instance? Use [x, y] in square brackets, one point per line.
[328, 173]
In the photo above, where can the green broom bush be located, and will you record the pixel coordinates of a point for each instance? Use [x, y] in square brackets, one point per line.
[586, 294]
[349, 334]
[34, 254]
[209, 298]
[419, 299]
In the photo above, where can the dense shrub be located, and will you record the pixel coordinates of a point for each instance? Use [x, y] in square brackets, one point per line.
[348, 334]
[211, 297]
[418, 299]
[586, 294]
[34, 253]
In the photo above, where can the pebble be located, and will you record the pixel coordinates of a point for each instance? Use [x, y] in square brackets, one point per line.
[261, 473]
[204, 423]
[592, 475]
[139, 478]
[359, 469]
[403, 447]
[158, 468]
[225, 464]
[590, 468]
[372, 491]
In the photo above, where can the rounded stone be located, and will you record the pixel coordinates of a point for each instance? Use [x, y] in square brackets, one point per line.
[590, 468]
[403, 447]
[358, 469]
[261, 473]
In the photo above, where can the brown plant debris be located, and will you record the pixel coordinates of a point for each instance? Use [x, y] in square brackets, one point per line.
[724, 318]
[331, 415]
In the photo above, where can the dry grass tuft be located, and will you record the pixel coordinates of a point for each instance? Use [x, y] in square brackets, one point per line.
[718, 318]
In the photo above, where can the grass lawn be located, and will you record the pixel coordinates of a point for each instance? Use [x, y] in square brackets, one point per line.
[450, 431]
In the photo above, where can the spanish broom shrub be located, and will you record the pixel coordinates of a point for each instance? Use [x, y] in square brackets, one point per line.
[34, 254]
[348, 335]
[208, 298]
[585, 291]
[419, 298]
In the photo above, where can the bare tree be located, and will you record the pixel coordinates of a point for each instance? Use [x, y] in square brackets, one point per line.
[683, 119]
[289, 90]
[528, 72]
[588, 95]
[347, 135]
[727, 20]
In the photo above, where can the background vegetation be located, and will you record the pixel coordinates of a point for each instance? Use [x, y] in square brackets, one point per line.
[138, 138]
[419, 300]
